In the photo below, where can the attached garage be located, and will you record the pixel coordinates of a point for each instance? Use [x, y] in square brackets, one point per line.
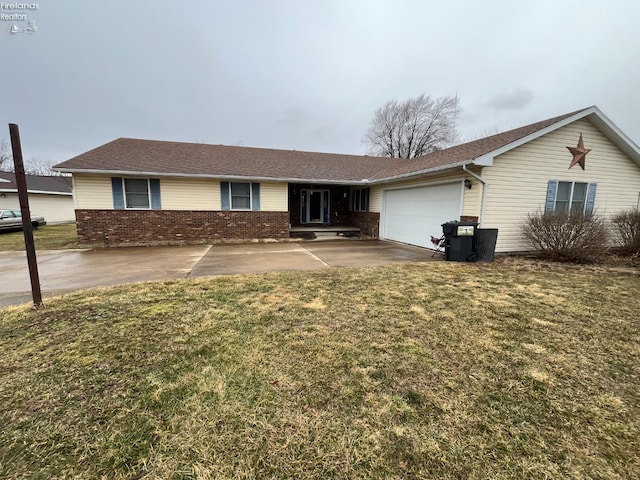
[413, 215]
[497, 180]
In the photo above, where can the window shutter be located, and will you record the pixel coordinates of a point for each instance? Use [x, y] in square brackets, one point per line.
[367, 193]
[591, 199]
[154, 186]
[118, 194]
[552, 190]
[225, 201]
[255, 196]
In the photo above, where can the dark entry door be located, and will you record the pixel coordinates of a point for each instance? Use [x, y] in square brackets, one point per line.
[315, 206]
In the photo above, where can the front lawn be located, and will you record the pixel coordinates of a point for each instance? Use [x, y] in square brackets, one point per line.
[443, 371]
[49, 237]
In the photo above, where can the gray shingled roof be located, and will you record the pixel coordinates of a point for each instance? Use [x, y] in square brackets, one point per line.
[37, 183]
[465, 153]
[128, 155]
[153, 157]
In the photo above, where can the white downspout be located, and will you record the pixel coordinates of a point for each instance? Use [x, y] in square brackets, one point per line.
[485, 187]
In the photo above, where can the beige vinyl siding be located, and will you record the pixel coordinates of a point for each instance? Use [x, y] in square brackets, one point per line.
[94, 192]
[518, 179]
[274, 197]
[472, 203]
[189, 194]
[375, 198]
[54, 208]
[202, 194]
[9, 201]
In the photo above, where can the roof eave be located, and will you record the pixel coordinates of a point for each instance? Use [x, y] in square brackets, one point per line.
[614, 134]
[599, 119]
[486, 160]
[606, 126]
[418, 173]
[213, 176]
[46, 192]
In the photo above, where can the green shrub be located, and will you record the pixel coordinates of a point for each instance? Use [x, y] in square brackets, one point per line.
[626, 226]
[567, 237]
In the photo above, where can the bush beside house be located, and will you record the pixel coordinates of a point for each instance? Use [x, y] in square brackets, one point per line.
[567, 236]
[626, 226]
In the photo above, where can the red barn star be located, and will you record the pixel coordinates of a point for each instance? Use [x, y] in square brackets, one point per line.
[579, 153]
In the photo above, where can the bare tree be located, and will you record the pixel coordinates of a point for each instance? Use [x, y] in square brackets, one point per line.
[5, 156]
[32, 166]
[36, 166]
[414, 127]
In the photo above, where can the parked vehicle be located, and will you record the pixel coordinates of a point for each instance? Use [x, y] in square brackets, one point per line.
[12, 220]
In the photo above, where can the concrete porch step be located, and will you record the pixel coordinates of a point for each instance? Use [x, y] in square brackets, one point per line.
[323, 231]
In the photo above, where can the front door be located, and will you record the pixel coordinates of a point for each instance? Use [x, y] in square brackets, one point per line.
[314, 206]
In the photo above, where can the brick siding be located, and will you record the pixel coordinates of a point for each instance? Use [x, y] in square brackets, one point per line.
[157, 227]
[368, 222]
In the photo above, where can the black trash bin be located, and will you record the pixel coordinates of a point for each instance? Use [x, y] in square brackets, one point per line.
[486, 239]
[460, 241]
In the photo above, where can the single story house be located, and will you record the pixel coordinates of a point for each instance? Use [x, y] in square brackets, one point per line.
[146, 191]
[50, 197]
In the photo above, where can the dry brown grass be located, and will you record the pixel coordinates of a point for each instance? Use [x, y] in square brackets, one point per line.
[513, 370]
[49, 237]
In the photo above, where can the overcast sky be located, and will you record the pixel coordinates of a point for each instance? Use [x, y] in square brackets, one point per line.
[306, 74]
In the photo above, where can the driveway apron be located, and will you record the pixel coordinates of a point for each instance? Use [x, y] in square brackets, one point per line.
[278, 257]
[256, 258]
[68, 270]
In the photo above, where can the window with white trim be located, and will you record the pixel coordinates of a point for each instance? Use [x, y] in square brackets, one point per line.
[240, 195]
[136, 192]
[571, 197]
[360, 200]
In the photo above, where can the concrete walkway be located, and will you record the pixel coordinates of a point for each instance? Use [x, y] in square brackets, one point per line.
[62, 271]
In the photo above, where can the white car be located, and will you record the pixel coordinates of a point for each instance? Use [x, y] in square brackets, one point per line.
[12, 220]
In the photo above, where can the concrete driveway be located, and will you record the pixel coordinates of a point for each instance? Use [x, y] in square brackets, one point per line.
[67, 270]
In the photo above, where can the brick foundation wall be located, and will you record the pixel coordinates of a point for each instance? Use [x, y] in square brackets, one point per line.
[368, 222]
[149, 227]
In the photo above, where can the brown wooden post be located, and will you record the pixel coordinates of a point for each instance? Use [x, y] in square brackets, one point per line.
[23, 196]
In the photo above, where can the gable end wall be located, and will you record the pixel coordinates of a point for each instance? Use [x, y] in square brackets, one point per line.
[518, 179]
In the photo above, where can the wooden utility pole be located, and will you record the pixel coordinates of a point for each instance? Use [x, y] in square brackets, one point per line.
[27, 228]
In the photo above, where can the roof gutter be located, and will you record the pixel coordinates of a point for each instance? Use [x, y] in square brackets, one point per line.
[485, 187]
[418, 173]
[125, 173]
[46, 192]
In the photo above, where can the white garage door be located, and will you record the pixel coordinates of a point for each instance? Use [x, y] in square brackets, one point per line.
[412, 215]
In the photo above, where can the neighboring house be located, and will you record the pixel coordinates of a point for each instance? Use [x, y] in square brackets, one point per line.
[145, 191]
[49, 197]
